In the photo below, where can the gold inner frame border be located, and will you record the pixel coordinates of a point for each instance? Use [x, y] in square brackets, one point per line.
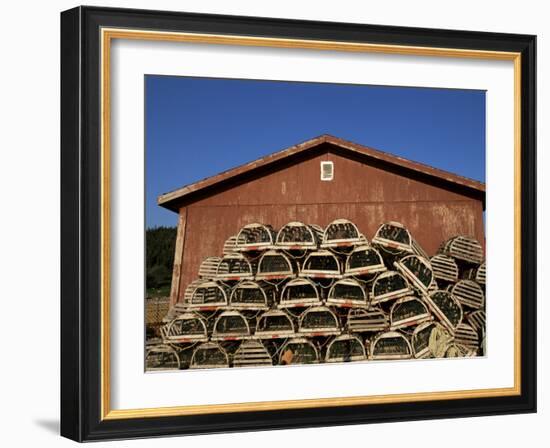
[107, 35]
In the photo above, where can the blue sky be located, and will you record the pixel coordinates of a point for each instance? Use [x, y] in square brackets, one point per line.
[197, 127]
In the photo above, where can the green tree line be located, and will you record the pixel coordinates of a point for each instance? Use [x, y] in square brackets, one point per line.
[160, 243]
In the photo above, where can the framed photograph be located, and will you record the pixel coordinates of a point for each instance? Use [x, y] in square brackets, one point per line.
[274, 223]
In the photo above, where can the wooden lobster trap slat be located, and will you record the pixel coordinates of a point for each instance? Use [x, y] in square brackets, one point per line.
[463, 248]
[190, 289]
[318, 321]
[346, 348]
[390, 345]
[467, 336]
[230, 326]
[299, 236]
[299, 351]
[255, 237]
[274, 265]
[476, 274]
[234, 267]
[230, 245]
[417, 270]
[469, 294]
[482, 274]
[209, 268]
[342, 233]
[299, 292]
[407, 312]
[446, 308]
[161, 357]
[185, 328]
[274, 324]
[321, 264]
[477, 320]
[370, 320]
[430, 340]
[444, 268]
[207, 296]
[209, 356]
[389, 285]
[252, 354]
[250, 295]
[364, 260]
[348, 293]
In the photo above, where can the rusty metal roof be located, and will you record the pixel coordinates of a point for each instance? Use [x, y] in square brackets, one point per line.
[211, 185]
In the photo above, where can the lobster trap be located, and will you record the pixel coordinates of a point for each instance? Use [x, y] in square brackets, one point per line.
[394, 238]
[477, 320]
[299, 351]
[469, 294]
[234, 267]
[390, 345]
[463, 248]
[252, 354]
[274, 324]
[230, 326]
[185, 328]
[446, 308]
[348, 293]
[299, 292]
[341, 233]
[318, 321]
[408, 311]
[209, 356]
[255, 237]
[207, 295]
[321, 264]
[429, 340]
[476, 274]
[364, 260]
[297, 236]
[161, 357]
[249, 295]
[346, 348]
[370, 320]
[208, 269]
[417, 270]
[230, 245]
[389, 285]
[467, 336]
[274, 265]
[444, 268]
[189, 290]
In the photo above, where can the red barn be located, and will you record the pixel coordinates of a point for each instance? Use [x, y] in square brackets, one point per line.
[361, 184]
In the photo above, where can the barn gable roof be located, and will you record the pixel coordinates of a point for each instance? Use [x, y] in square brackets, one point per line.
[210, 185]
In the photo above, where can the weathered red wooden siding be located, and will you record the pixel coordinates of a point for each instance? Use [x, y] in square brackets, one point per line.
[365, 194]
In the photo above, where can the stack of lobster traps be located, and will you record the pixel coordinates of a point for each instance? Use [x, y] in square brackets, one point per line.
[307, 295]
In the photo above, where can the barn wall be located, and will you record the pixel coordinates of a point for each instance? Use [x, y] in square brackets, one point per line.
[366, 195]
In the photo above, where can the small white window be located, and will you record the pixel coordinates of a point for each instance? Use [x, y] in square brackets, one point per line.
[327, 170]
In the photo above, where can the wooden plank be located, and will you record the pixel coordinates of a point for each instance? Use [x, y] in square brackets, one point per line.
[178, 256]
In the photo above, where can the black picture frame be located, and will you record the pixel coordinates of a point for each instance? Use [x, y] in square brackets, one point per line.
[81, 224]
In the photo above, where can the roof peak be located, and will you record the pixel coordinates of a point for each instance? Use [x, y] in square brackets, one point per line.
[172, 200]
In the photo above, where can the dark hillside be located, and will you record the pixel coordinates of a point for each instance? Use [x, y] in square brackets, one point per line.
[159, 250]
